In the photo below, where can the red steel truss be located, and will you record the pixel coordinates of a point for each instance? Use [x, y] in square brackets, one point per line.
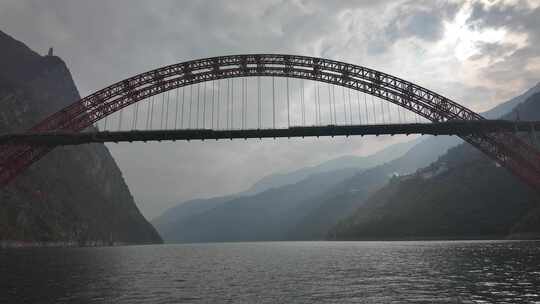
[506, 148]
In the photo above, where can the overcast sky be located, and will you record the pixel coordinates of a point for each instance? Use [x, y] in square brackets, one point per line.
[478, 53]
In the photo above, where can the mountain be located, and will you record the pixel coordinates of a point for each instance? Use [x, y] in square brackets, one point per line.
[173, 218]
[348, 161]
[267, 216]
[508, 108]
[313, 205]
[347, 196]
[464, 194]
[166, 222]
[74, 194]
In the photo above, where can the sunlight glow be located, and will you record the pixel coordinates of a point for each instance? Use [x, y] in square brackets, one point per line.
[465, 40]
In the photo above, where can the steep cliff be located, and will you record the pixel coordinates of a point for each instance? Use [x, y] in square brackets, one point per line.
[73, 194]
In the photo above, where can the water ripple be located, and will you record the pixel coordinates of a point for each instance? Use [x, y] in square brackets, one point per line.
[279, 272]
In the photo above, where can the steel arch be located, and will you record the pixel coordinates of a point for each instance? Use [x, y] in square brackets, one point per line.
[507, 149]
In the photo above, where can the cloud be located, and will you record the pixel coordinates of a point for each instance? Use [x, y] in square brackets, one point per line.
[515, 61]
[422, 19]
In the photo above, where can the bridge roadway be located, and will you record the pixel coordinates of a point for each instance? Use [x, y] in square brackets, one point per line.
[442, 128]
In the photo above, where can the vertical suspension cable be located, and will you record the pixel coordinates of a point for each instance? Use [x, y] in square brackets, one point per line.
[218, 101]
[319, 102]
[382, 110]
[145, 123]
[344, 99]
[366, 108]
[247, 103]
[334, 103]
[162, 108]
[190, 104]
[389, 112]
[167, 110]
[152, 113]
[176, 110]
[105, 122]
[120, 119]
[232, 103]
[288, 105]
[244, 103]
[246, 115]
[358, 107]
[350, 106]
[198, 104]
[133, 116]
[316, 107]
[406, 115]
[182, 112]
[228, 101]
[213, 102]
[204, 106]
[273, 103]
[383, 114]
[137, 105]
[242, 88]
[303, 101]
[299, 82]
[330, 104]
[148, 111]
[259, 111]
[244, 107]
[373, 108]
[399, 113]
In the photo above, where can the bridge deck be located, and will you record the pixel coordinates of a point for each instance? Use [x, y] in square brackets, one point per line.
[443, 128]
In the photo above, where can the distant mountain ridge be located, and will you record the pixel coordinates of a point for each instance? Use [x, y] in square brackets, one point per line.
[348, 161]
[268, 215]
[464, 194]
[176, 216]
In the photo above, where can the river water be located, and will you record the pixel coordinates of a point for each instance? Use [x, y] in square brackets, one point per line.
[276, 272]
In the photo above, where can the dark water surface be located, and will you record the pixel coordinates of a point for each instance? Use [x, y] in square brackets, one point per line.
[288, 272]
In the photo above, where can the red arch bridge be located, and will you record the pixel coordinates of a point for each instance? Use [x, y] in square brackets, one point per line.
[267, 95]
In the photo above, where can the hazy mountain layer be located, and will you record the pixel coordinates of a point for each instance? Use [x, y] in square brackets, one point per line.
[269, 215]
[173, 218]
[344, 162]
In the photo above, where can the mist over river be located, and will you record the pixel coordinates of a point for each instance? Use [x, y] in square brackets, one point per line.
[276, 272]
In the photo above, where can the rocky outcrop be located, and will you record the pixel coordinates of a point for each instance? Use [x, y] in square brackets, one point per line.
[74, 194]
